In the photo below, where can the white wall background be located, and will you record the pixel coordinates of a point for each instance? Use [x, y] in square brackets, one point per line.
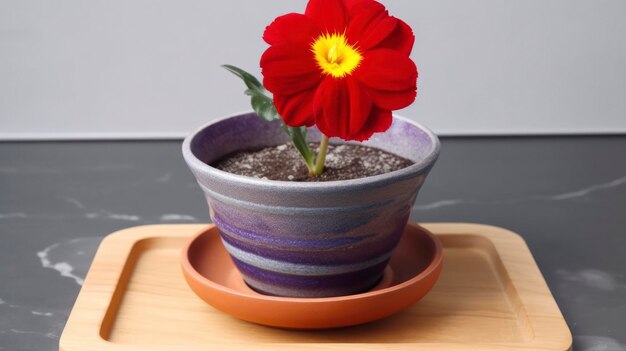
[150, 68]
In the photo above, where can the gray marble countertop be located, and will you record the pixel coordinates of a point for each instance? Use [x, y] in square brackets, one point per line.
[565, 195]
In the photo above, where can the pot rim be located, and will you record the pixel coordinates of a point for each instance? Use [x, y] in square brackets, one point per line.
[412, 170]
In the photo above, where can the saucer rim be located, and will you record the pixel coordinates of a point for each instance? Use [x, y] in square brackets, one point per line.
[432, 267]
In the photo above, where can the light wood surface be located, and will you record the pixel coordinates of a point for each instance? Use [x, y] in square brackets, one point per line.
[491, 296]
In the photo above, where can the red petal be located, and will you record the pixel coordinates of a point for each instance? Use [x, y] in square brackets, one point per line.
[292, 28]
[392, 100]
[296, 110]
[385, 69]
[330, 15]
[330, 107]
[370, 24]
[350, 4]
[341, 107]
[289, 69]
[360, 105]
[378, 121]
[402, 39]
[288, 60]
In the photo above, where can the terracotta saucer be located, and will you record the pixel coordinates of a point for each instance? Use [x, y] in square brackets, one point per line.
[411, 273]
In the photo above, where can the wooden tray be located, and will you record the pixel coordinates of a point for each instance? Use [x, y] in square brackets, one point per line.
[491, 296]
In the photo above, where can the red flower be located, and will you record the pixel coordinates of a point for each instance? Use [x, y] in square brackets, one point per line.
[343, 65]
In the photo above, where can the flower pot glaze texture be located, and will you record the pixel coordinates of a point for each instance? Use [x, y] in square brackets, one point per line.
[302, 239]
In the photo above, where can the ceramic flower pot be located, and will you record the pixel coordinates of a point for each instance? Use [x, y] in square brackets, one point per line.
[308, 239]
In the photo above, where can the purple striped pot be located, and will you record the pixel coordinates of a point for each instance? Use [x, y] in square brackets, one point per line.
[308, 239]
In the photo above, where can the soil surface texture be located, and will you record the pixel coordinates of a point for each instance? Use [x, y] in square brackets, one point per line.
[284, 162]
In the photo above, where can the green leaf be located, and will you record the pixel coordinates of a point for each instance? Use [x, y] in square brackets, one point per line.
[260, 98]
[263, 104]
[250, 80]
[298, 136]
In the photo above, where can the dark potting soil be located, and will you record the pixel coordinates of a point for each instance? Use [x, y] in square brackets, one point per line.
[284, 162]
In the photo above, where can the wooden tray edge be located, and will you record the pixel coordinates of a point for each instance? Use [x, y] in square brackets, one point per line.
[546, 321]
[111, 263]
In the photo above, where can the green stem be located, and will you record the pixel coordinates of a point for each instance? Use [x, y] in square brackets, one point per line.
[321, 157]
[310, 166]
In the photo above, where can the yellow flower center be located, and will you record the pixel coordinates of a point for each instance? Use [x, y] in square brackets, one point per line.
[335, 56]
